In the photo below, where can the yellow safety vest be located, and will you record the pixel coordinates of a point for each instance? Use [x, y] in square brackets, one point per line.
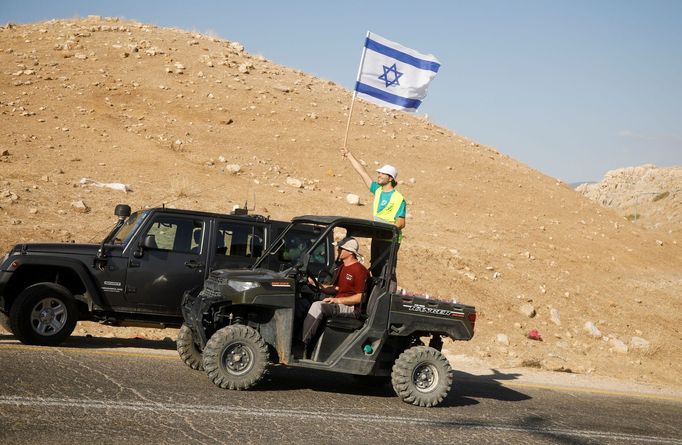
[389, 212]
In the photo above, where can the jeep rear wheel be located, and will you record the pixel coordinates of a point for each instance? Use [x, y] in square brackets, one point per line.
[188, 350]
[43, 314]
[235, 357]
[422, 376]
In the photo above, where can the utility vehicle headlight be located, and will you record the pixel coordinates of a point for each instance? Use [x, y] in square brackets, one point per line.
[241, 286]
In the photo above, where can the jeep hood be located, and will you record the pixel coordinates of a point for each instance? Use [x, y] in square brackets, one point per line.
[60, 248]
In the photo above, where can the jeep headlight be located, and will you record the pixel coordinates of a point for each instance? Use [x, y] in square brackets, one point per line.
[242, 286]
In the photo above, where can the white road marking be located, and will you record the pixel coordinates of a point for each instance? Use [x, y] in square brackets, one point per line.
[236, 411]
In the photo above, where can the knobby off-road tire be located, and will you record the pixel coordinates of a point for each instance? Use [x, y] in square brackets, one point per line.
[43, 314]
[235, 357]
[188, 350]
[421, 376]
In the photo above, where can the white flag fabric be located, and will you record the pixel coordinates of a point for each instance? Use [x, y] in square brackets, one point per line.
[394, 76]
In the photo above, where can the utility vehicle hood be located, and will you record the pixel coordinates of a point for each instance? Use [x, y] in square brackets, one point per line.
[260, 275]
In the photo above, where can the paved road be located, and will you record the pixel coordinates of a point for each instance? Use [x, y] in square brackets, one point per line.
[136, 391]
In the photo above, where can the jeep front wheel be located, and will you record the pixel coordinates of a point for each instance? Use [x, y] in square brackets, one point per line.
[422, 376]
[43, 314]
[235, 357]
[188, 350]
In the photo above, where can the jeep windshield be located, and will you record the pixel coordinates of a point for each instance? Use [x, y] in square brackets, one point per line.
[125, 233]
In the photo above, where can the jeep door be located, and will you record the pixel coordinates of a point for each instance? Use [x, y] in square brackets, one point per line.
[236, 244]
[169, 263]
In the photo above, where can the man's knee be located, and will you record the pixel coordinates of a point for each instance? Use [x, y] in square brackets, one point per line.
[315, 309]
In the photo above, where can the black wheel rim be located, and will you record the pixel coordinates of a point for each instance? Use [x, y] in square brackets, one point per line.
[237, 359]
[425, 377]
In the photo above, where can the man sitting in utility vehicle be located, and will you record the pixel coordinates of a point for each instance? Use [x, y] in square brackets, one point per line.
[347, 290]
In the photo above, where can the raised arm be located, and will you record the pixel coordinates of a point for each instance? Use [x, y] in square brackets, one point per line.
[357, 166]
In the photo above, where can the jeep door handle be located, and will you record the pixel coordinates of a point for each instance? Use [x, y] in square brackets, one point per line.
[194, 264]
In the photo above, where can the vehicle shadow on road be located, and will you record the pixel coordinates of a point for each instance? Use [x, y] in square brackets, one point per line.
[466, 388]
[89, 342]
[489, 386]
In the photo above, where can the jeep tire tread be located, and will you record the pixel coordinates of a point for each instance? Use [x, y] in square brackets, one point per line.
[421, 376]
[235, 357]
[43, 314]
[188, 350]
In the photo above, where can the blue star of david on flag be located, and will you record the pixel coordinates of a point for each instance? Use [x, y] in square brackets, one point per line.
[380, 82]
[396, 75]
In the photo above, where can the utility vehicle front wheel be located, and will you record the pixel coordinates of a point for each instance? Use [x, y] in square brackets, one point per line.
[188, 350]
[235, 357]
[421, 376]
[43, 314]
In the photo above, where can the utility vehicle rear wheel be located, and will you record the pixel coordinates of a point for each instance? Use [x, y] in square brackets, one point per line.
[421, 376]
[236, 357]
[188, 350]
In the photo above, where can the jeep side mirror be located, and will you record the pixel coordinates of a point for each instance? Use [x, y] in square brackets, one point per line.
[148, 243]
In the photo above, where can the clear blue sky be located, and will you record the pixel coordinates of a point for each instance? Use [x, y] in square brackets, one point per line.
[572, 88]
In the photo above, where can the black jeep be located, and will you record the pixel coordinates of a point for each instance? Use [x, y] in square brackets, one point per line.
[243, 320]
[136, 276]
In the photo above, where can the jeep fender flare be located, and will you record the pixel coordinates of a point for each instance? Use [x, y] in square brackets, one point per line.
[91, 297]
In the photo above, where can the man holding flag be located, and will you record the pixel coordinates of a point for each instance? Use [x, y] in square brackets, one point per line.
[389, 204]
[397, 77]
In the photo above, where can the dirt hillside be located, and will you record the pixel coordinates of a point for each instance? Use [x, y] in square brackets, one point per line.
[172, 113]
[648, 195]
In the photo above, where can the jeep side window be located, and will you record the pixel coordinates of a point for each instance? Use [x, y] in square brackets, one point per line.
[234, 239]
[176, 234]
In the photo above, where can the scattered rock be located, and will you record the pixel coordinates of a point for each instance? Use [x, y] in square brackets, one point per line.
[245, 68]
[639, 343]
[618, 346]
[233, 168]
[80, 206]
[294, 182]
[554, 316]
[528, 310]
[592, 329]
[353, 199]
[282, 88]
[503, 339]
[9, 195]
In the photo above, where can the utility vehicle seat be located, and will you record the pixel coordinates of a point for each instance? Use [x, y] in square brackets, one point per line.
[352, 322]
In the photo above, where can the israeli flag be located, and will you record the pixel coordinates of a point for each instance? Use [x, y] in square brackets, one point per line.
[394, 76]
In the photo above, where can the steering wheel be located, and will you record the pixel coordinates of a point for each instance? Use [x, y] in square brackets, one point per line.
[316, 284]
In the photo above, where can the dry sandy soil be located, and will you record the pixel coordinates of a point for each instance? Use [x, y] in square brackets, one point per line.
[167, 111]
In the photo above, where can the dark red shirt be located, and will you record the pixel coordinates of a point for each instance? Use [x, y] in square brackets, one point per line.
[351, 280]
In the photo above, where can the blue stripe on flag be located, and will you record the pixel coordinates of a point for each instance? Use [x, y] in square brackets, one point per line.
[387, 97]
[398, 55]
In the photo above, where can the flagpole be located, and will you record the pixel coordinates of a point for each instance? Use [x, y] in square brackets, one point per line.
[355, 92]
